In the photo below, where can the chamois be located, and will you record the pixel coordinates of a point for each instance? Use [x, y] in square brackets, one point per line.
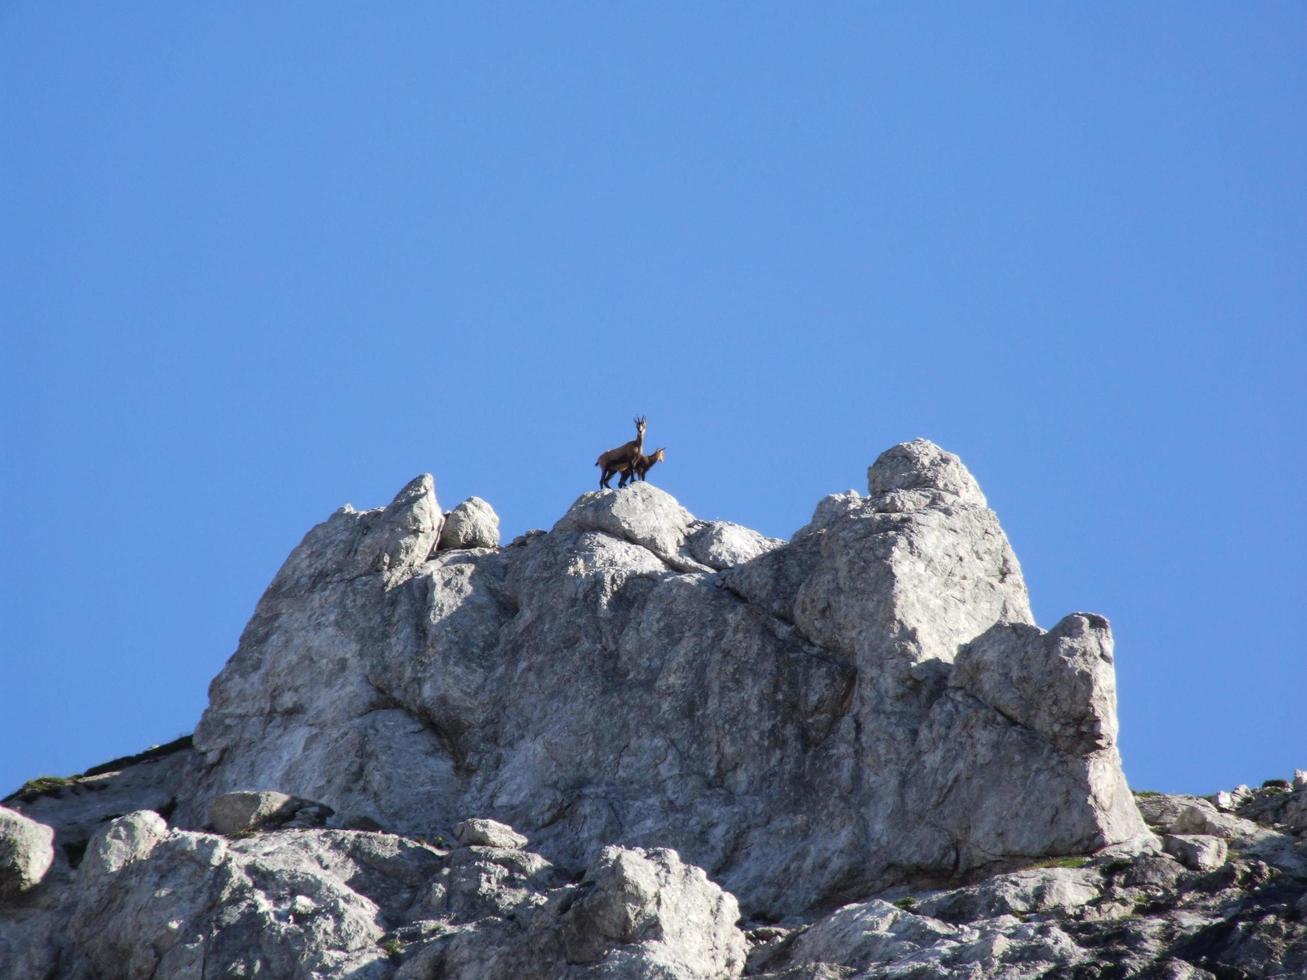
[619, 459]
[641, 465]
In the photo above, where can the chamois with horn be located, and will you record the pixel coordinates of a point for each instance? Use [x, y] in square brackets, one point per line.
[616, 460]
[640, 466]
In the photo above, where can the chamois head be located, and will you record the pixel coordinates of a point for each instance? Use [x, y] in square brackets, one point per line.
[641, 423]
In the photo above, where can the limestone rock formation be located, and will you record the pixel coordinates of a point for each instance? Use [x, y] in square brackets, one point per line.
[646, 745]
[639, 676]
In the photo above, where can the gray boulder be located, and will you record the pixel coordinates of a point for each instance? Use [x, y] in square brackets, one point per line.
[243, 812]
[484, 881]
[1164, 811]
[472, 524]
[488, 833]
[1059, 684]
[153, 903]
[1196, 851]
[646, 913]
[634, 914]
[642, 515]
[1232, 799]
[1203, 818]
[721, 544]
[26, 853]
[922, 466]
[400, 536]
[1038, 700]
[126, 840]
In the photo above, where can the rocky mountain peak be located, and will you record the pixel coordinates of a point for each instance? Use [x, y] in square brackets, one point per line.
[685, 720]
[636, 675]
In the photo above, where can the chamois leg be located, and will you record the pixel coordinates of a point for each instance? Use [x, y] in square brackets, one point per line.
[604, 478]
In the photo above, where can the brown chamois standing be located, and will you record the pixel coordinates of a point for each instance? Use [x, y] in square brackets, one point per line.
[619, 459]
[641, 465]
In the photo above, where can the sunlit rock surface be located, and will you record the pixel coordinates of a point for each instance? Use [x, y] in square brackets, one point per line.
[646, 745]
[788, 716]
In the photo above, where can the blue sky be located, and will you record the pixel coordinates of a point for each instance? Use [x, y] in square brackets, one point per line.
[259, 260]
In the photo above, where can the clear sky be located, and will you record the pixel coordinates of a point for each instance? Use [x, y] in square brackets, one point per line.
[258, 260]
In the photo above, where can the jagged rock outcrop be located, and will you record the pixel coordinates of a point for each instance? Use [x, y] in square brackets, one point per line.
[641, 677]
[612, 748]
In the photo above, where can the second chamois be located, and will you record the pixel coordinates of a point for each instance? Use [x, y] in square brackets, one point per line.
[619, 460]
[640, 466]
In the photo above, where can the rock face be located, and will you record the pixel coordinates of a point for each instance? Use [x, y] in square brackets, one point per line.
[646, 908]
[603, 750]
[488, 833]
[638, 676]
[1146, 915]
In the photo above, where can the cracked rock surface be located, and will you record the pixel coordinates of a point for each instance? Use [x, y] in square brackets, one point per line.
[807, 721]
[646, 745]
[1141, 915]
